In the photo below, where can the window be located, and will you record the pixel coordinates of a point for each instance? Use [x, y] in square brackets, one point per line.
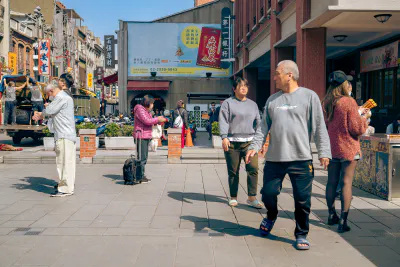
[28, 59]
[22, 27]
[29, 32]
[14, 24]
[20, 59]
[388, 89]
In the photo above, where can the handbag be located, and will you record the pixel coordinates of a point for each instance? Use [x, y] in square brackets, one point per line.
[178, 122]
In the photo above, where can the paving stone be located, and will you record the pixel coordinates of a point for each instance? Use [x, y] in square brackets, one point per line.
[107, 221]
[195, 251]
[50, 220]
[72, 224]
[140, 213]
[117, 208]
[162, 222]
[88, 212]
[135, 224]
[13, 223]
[156, 255]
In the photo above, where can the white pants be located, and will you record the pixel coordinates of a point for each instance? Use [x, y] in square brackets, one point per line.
[66, 165]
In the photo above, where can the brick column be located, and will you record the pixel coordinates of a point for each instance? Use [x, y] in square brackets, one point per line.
[174, 145]
[311, 51]
[88, 145]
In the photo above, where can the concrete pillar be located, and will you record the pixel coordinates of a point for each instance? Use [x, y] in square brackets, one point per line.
[88, 145]
[123, 67]
[311, 51]
[174, 145]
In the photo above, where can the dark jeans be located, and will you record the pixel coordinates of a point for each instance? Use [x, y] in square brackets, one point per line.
[143, 145]
[10, 111]
[37, 106]
[237, 151]
[301, 175]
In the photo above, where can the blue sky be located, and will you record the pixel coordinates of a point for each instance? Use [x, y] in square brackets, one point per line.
[101, 16]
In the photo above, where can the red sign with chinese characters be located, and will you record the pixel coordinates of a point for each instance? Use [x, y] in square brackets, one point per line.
[44, 57]
[209, 54]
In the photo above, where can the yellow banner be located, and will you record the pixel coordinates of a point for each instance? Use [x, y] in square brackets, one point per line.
[173, 71]
[12, 62]
[90, 80]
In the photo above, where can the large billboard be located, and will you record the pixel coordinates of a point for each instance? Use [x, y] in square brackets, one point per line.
[175, 49]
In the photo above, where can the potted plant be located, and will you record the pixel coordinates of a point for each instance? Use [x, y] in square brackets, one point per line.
[117, 137]
[84, 125]
[48, 139]
[216, 138]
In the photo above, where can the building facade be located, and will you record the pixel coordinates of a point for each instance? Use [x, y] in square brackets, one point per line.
[322, 36]
[167, 90]
[4, 35]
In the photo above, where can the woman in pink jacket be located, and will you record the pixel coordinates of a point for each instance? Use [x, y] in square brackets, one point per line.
[142, 132]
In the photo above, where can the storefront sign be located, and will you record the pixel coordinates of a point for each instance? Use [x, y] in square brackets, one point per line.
[380, 58]
[44, 57]
[12, 63]
[109, 47]
[209, 54]
[90, 80]
[175, 49]
[226, 37]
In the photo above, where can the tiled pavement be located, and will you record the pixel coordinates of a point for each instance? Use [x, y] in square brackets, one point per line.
[180, 219]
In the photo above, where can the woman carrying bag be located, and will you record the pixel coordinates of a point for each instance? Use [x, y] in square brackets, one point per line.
[180, 120]
[345, 126]
[143, 133]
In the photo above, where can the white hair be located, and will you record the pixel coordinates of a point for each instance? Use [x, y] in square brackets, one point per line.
[289, 66]
[49, 87]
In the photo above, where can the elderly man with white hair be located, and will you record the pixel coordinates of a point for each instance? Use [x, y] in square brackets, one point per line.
[61, 110]
[293, 116]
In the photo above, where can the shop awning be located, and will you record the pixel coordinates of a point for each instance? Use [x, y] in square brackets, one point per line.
[113, 78]
[148, 85]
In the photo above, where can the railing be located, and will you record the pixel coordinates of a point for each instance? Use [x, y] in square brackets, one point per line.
[262, 12]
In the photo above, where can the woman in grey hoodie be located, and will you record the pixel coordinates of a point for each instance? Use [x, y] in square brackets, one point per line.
[239, 119]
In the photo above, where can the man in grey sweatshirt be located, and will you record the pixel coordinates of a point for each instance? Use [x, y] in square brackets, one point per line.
[292, 117]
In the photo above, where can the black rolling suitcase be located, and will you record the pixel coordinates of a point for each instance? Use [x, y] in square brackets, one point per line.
[131, 166]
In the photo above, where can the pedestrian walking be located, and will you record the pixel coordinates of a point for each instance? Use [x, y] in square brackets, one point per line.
[213, 116]
[180, 120]
[143, 123]
[66, 83]
[238, 121]
[293, 116]
[10, 97]
[61, 110]
[345, 126]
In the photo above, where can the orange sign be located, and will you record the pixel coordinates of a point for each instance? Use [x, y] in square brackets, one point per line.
[12, 62]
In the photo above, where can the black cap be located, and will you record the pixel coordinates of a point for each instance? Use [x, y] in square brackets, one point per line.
[338, 77]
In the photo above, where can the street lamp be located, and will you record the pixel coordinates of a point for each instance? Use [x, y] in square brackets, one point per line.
[340, 38]
[382, 18]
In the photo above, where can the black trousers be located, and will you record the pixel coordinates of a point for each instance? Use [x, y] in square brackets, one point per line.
[143, 145]
[301, 175]
[237, 151]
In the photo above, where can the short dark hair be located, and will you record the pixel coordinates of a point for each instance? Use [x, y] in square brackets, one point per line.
[69, 80]
[212, 103]
[239, 81]
[146, 101]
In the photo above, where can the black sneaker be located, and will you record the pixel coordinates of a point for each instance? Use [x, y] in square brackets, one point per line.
[60, 194]
[145, 180]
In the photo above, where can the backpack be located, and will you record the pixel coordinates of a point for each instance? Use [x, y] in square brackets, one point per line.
[129, 170]
[178, 122]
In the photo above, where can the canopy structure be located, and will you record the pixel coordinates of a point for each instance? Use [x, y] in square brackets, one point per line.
[113, 78]
[207, 96]
[18, 79]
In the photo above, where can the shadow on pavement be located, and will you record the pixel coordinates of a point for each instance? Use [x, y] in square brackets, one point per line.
[39, 184]
[118, 179]
[230, 228]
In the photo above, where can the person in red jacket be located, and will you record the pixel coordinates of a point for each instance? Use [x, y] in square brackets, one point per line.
[142, 133]
[345, 126]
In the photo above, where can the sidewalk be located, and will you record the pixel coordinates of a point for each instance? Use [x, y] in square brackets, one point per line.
[180, 219]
